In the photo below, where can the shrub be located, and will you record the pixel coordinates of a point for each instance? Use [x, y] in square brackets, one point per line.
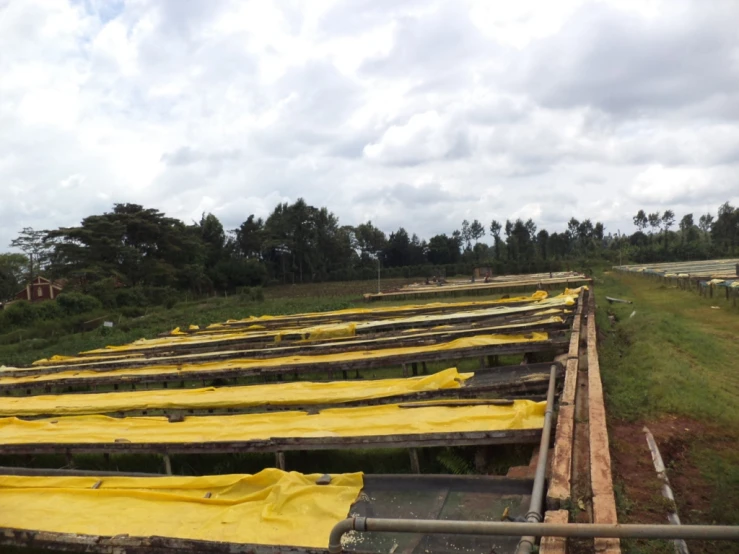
[47, 311]
[74, 303]
[252, 294]
[132, 311]
[20, 314]
[161, 296]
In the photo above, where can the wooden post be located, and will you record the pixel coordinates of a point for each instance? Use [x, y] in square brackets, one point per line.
[414, 366]
[167, 464]
[280, 460]
[710, 291]
[415, 464]
[405, 370]
[425, 371]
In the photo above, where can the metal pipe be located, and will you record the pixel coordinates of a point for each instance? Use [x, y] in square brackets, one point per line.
[659, 465]
[580, 530]
[526, 544]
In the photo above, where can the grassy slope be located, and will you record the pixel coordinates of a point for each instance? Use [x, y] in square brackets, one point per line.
[676, 357]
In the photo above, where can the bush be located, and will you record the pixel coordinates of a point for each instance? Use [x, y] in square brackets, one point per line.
[47, 311]
[252, 294]
[161, 296]
[132, 311]
[20, 314]
[74, 303]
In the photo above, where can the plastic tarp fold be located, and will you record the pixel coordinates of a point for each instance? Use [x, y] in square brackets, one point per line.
[390, 419]
[280, 394]
[272, 507]
[476, 341]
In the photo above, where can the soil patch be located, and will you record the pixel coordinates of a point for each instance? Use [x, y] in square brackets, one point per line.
[680, 441]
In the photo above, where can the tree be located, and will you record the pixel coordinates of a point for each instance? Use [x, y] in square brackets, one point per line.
[398, 250]
[640, 220]
[249, 238]
[668, 220]
[35, 246]
[573, 226]
[477, 231]
[12, 274]
[214, 239]
[542, 240]
[705, 223]
[466, 234]
[136, 245]
[655, 221]
[725, 231]
[370, 240]
[495, 229]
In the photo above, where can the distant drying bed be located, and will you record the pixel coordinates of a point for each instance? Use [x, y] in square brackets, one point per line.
[479, 287]
[704, 268]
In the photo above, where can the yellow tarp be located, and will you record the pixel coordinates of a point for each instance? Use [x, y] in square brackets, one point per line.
[282, 394]
[419, 333]
[143, 344]
[538, 295]
[389, 419]
[317, 360]
[272, 507]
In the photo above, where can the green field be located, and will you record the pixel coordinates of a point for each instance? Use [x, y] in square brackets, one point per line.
[673, 366]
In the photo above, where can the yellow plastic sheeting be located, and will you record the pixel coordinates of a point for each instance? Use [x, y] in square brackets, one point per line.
[272, 507]
[144, 344]
[538, 295]
[318, 360]
[418, 333]
[322, 332]
[389, 419]
[282, 394]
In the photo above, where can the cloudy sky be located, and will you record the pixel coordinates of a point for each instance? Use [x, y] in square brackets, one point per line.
[414, 113]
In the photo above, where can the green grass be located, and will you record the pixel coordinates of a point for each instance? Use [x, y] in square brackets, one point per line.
[676, 355]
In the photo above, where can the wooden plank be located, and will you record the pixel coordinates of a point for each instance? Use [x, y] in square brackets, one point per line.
[604, 501]
[560, 481]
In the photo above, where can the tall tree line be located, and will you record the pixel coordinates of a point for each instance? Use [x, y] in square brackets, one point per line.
[137, 247]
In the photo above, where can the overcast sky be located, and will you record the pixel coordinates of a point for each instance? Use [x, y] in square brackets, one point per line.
[416, 113]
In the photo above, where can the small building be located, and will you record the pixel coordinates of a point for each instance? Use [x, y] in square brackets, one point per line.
[482, 272]
[38, 290]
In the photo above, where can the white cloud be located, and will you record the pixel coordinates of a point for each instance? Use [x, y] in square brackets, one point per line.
[411, 113]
